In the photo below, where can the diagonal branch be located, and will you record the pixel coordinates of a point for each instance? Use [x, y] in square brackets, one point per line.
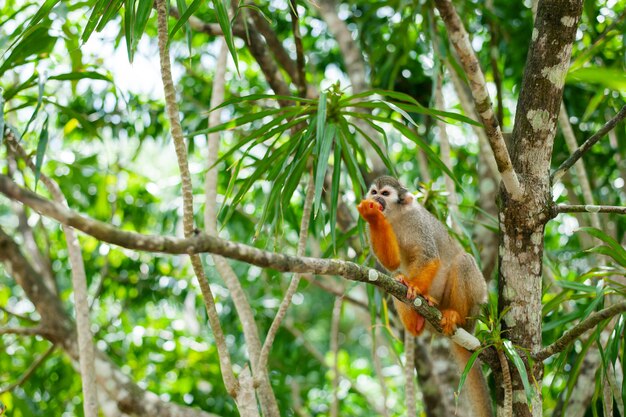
[556, 175]
[205, 243]
[295, 280]
[33, 366]
[577, 331]
[461, 42]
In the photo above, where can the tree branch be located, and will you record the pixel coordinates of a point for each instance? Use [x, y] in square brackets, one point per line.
[79, 284]
[297, 37]
[460, 40]
[581, 171]
[587, 208]
[556, 175]
[205, 243]
[24, 331]
[334, 348]
[60, 330]
[295, 280]
[240, 301]
[576, 331]
[228, 376]
[33, 366]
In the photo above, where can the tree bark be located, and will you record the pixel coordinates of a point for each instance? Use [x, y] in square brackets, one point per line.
[522, 220]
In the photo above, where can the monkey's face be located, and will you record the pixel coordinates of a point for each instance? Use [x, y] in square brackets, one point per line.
[386, 195]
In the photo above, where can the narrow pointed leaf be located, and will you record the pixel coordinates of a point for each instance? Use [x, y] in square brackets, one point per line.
[510, 351]
[41, 150]
[322, 162]
[185, 15]
[224, 22]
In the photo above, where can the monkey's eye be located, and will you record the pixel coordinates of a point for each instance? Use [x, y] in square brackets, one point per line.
[385, 193]
[373, 192]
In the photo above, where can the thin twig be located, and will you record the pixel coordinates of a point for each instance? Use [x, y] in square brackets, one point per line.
[576, 331]
[86, 348]
[24, 331]
[297, 37]
[334, 348]
[230, 381]
[581, 171]
[507, 385]
[587, 208]
[295, 280]
[19, 316]
[608, 126]
[29, 371]
[460, 40]
[232, 281]
[308, 346]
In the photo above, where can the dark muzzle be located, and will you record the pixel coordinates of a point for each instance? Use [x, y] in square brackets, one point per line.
[381, 201]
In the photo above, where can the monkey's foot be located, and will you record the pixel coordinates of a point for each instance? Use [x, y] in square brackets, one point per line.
[449, 321]
[413, 290]
[370, 209]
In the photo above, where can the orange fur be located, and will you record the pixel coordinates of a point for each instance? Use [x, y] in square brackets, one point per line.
[383, 238]
[412, 321]
[420, 277]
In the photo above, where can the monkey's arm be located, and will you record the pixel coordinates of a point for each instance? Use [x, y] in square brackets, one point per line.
[384, 242]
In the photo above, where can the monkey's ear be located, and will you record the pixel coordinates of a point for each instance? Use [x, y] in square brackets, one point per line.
[407, 198]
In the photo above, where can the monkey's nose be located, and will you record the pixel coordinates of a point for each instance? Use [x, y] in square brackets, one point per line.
[381, 201]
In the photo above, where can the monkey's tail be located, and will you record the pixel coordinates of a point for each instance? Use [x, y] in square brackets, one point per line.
[475, 383]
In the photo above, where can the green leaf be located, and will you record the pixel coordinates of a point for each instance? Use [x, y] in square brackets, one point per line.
[322, 162]
[185, 15]
[130, 16]
[94, 18]
[334, 192]
[144, 9]
[41, 150]
[612, 78]
[257, 97]
[593, 105]
[466, 370]
[511, 352]
[353, 167]
[110, 12]
[42, 82]
[383, 156]
[321, 121]
[1, 115]
[224, 22]
[36, 42]
[616, 251]
[80, 75]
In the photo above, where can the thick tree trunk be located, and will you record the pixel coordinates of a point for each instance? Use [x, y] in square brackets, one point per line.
[522, 220]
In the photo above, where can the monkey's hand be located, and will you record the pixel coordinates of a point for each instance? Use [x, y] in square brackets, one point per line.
[371, 211]
[413, 290]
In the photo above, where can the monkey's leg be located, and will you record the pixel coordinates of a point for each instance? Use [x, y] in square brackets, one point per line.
[420, 278]
[384, 242]
[456, 301]
[412, 321]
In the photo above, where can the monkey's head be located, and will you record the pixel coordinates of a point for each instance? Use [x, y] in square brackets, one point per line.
[389, 193]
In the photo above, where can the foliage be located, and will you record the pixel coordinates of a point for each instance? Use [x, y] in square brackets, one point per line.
[98, 127]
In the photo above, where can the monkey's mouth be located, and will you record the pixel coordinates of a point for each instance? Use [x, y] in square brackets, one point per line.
[381, 201]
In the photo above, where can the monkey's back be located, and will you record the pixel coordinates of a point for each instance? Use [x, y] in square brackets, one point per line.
[422, 238]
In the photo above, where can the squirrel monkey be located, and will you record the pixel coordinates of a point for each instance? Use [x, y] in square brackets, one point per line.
[406, 238]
